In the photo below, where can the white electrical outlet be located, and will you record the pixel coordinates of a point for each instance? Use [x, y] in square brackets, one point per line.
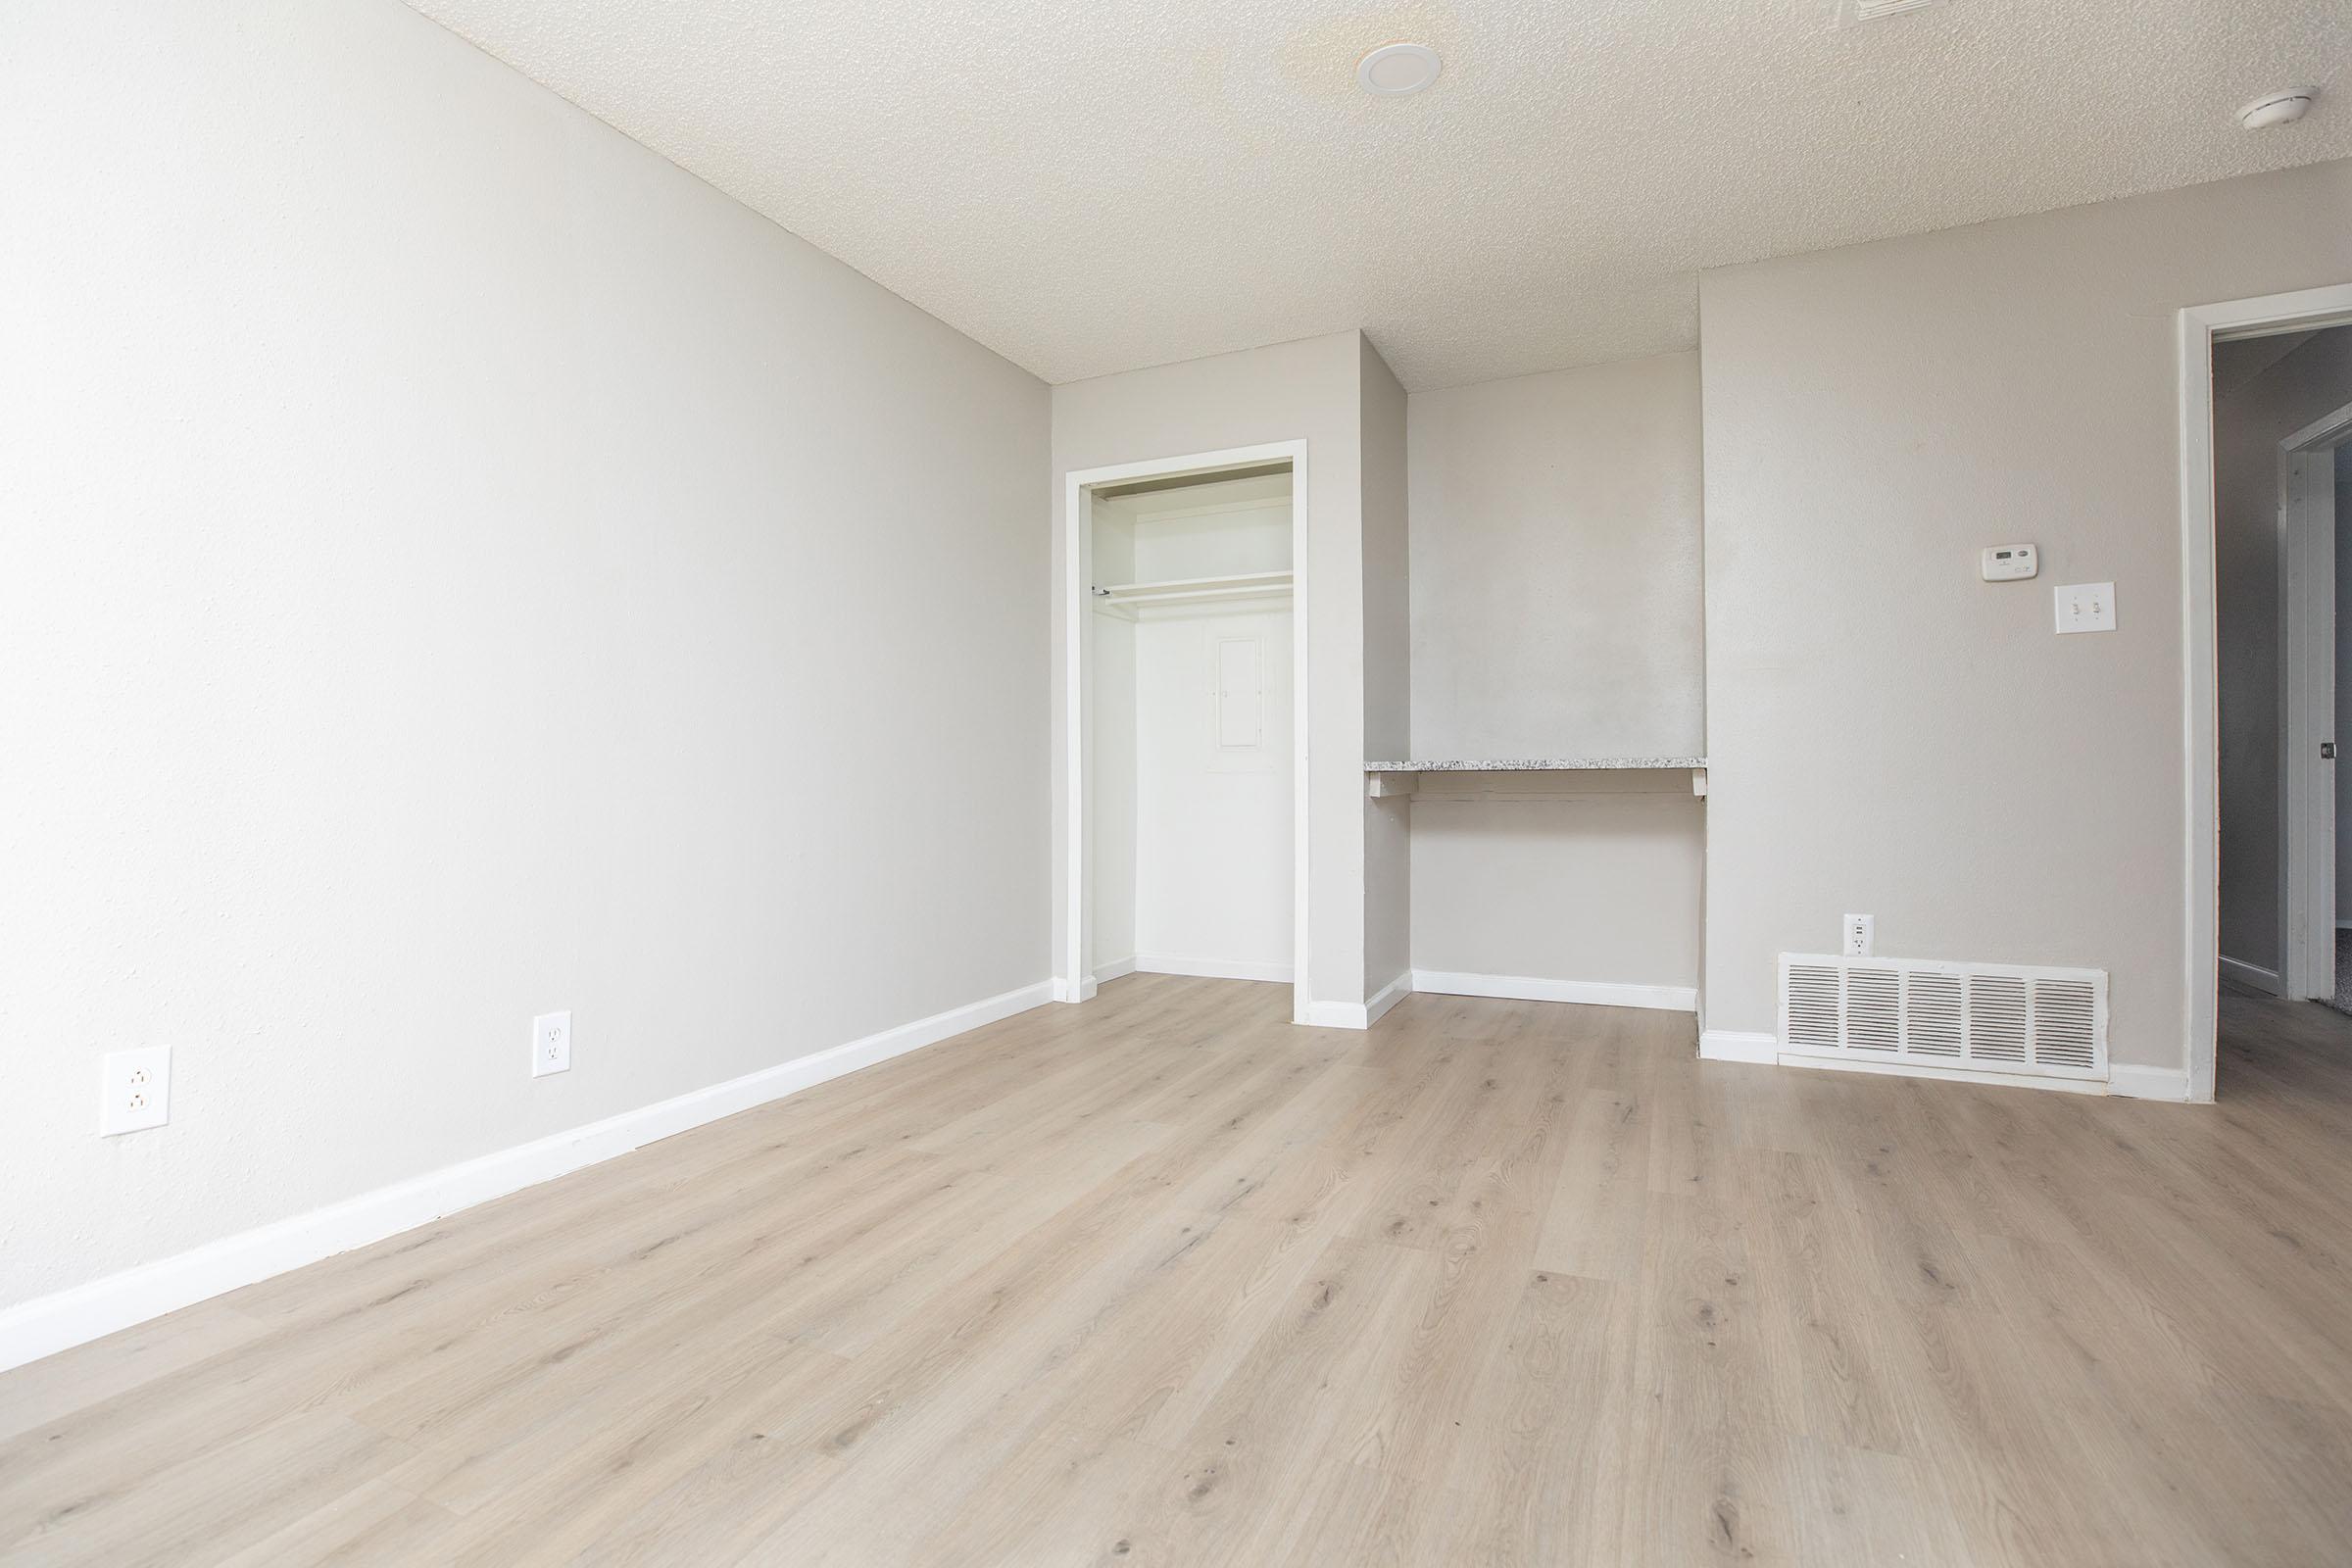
[136, 1091]
[1860, 932]
[551, 1044]
[2086, 607]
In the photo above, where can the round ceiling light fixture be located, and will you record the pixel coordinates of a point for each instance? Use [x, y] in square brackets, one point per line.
[2281, 108]
[1395, 69]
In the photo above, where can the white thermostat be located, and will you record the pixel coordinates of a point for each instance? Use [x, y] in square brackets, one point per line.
[2008, 563]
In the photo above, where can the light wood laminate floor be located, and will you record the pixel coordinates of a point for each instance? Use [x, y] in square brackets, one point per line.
[1164, 1280]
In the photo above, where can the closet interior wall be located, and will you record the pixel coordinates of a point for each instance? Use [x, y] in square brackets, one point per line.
[1191, 767]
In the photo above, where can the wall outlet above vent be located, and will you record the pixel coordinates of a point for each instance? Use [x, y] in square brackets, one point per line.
[2004, 1018]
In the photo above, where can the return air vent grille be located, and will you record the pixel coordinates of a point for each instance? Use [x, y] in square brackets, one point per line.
[1810, 1006]
[1994, 1018]
[1852, 13]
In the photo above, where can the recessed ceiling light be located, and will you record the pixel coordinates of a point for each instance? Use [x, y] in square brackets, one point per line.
[1395, 69]
[2283, 108]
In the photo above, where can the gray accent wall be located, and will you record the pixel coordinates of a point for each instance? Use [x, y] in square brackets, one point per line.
[459, 567]
[1556, 612]
[1887, 733]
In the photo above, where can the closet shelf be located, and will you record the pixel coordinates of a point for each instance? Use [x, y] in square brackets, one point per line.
[1539, 765]
[1177, 590]
[1404, 778]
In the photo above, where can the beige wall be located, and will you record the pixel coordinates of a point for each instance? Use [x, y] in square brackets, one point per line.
[1557, 581]
[1388, 671]
[1887, 733]
[459, 567]
[1310, 390]
[1556, 612]
[2261, 397]
[1594, 880]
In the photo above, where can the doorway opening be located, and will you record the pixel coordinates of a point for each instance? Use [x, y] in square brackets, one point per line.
[1186, 626]
[2267, 402]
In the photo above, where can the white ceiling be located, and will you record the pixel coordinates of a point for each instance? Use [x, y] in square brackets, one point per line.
[1089, 187]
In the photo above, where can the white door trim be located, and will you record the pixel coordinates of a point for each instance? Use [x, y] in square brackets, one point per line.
[2307, 526]
[2199, 326]
[1074, 979]
[2323, 434]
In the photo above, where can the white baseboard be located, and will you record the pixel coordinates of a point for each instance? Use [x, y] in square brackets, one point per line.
[2135, 1082]
[1211, 968]
[1957, 1075]
[1388, 997]
[1358, 1015]
[1734, 1045]
[1059, 989]
[1116, 969]
[2122, 1080]
[2252, 974]
[1525, 988]
[52, 1323]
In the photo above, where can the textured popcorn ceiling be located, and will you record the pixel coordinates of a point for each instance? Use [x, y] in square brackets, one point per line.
[1089, 187]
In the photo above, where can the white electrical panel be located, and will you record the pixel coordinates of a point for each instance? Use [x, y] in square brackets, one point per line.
[2009, 563]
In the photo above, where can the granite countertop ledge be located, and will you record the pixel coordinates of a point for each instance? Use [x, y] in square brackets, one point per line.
[1530, 764]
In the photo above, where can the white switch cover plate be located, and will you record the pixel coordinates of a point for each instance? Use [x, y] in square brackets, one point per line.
[1861, 931]
[136, 1092]
[2086, 607]
[551, 1044]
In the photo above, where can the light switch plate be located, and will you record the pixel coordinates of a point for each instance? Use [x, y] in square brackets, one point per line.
[2086, 607]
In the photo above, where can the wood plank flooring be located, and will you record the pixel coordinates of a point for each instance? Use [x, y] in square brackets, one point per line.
[1165, 1280]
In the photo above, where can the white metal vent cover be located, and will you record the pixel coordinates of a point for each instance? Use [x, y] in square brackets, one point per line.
[1993, 1018]
[1852, 13]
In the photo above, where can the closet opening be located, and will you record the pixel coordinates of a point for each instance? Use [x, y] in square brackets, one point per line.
[1186, 626]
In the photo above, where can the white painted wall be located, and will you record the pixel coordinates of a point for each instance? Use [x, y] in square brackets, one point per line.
[1556, 612]
[1111, 781]
[458, 565]
[1213, 821]
[1191, 838]
[1182, 542]
[2261, 397]
[1887, 733]
[1309, 390]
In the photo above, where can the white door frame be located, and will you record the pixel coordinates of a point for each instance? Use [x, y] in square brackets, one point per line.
[2307, 590]
[1074, 980]
[2200, 327]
